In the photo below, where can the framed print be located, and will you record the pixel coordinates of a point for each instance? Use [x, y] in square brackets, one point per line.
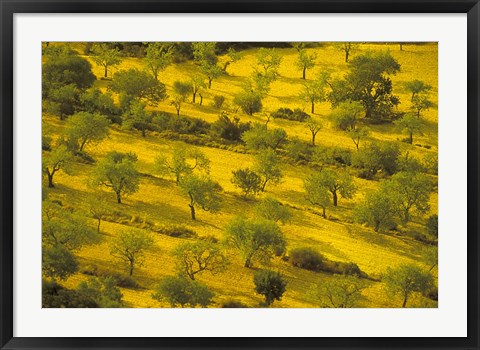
[239, 174]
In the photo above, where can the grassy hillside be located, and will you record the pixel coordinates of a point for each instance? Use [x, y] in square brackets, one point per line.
[159, 201]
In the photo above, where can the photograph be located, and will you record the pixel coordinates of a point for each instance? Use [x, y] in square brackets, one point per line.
[239, 174]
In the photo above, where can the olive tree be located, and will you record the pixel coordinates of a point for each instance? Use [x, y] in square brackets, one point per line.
[118, 172]
[304, 60]
[182, 162]
[314, 92]
[416, 87]
[271, 209]
[58, 262]
[316, 193]
[55, 160]
[405, 280]
[85, 128]
[255, 239]
[378, 209]
[314, 126]
[336, 183]
[341, 291]
[247, 180]
[180, 92]
[137, 117]
[196, 257]
[158, 56]
[106, 56]
[411, 124]
[130, 247]
[267, 165]
[202, 192]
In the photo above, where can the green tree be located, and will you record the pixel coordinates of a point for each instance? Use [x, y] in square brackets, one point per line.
[65, 228]
[58, 262]
[134, 84]
[416, 87]
[347, 48]
[232, 56]
[341, 291]
[180, 92]
[130, 247]
[103, 290]
[85, 128]
[411, 124]
[378, 209]
[259, 137]
[304, 60]
[271, 209]
[205, 56]
[249, 101]
[421, 103]
[105, 56]
[98, 209]
[316, 193]
[357, 135]
[66, 70]
[336, 183]
[182, 162]
[196, 257]
[229, 128]
[158, 56]
[57, 159]
[118, 172]
[413, 191]
[314, 92]
[137, 117]
[368, 82]
[376, 157]
[183, 291]
[255, 239]
[247, 180]
[267, 165]
[94, 101]
[198, 85]
[405, 280]
[202, 192]
[268, 61]
[346, 114]
[432, 225]
[61, 101]
[270, 284]
[314, 126]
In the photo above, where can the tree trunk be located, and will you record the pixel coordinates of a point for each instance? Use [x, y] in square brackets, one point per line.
[313, 138]
[106, 72]
[98, 226]
[324, 213]
[201, 99]
[405, 301]
[335, 198]
[368, 112]
[248, 261]
[210, 83]
[119, 197]
[143, 132]
[401, 46]
[178, 110]
[131, 268]
[194, 97]
[410, 140]
[50, 180]
[304, 71]
[377, 226]
[313, 107]
[192, 211]
[264, 184]
[346, 56]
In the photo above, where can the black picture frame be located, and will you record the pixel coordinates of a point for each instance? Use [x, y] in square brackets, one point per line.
[9, 7]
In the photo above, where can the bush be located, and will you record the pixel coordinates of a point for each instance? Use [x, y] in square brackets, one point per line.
[56, 296]
[183, 291]
[287, 113]
[432, 225]
[229, 128]
[377, 157]
[307, 258]
[270, 284]
[299, 151]
[218, 101]
[177, 231]
[234, 304]
[180, 124]
[250, 103]
[331, 156]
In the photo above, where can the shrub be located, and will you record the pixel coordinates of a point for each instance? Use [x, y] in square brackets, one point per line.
[307, 258]
[183, 291]
[287, 113]
[299, 151]
[234, 304]
[218, 101]
[180, 124]
[229, 128]
[432, 225]
[270, 284]
[177, 231]
[56, 296]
